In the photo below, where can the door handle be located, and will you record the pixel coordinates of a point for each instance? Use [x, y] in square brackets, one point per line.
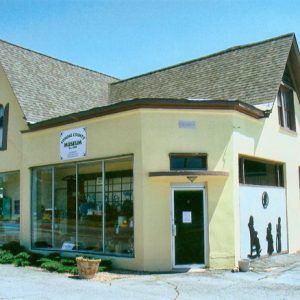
[174, 230]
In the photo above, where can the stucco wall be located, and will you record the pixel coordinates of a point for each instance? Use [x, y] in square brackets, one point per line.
[161, 135]
[151, 135]
[110, 136]
[10, 159]
[267, 140]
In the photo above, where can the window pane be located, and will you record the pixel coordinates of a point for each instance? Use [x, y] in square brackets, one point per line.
[185, 162]
[89, 208]
[65, 207]
[280, 176]
[177, 163]
[9, 207]
[42, 208]
[261, 173]
[280, 110]
[290, 109]
[1, 125]
[196, 163]
[286, 111]
[119, 208]
[68, 212]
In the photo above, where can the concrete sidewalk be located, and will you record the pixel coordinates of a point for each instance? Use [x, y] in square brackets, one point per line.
[277, 277]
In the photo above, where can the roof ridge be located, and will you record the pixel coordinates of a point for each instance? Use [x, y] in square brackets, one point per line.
[57, 59]
[231, 49]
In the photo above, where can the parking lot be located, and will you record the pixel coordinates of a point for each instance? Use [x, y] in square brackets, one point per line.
[277, 277]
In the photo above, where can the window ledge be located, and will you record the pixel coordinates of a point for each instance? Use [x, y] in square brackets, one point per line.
[288, 131]
[188, 173]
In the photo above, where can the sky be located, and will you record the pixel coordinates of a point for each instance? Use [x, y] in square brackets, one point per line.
[131, 37]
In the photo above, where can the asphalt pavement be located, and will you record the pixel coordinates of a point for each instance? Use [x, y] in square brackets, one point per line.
[277, 277]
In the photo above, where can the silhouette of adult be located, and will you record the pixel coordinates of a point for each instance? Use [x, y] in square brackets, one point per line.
[278, 236]
[254, 240]
[269, 238]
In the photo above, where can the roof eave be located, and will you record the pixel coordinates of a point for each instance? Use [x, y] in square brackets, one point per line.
[156, 103]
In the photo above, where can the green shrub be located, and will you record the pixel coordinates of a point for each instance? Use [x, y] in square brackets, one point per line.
[19, 262]
[55, 266]
[52, 263]
[43, 260]
[22, 259]
[34, 259]
[6, 257]
[52, 266]
[68, 262]
[13, 247]
[106, 263]
[54, 256]
[23, 255]
[72, 270]
[102, 269]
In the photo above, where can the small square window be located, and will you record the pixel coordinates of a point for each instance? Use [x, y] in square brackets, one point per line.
[188, 161]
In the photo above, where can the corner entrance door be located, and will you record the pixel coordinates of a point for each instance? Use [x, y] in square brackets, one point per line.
[188, 227]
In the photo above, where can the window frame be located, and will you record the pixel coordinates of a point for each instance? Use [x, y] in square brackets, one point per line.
[4, 126]
[286, 108]
[106, 176]
[187, 156]
[299, 176]
[278, 168]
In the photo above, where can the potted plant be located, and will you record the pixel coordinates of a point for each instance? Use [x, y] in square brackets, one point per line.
[87, 267]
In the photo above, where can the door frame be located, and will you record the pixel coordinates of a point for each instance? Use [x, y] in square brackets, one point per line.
[189, 187]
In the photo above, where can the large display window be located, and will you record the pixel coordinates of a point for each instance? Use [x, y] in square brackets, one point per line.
[9, 207]
[84, 207]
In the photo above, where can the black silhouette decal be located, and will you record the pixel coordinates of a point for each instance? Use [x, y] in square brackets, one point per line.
[278, 236]
[269, 238]
[254, 240]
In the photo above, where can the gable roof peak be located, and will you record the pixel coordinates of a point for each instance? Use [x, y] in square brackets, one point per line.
[46, 87]
[55, 59]
[249, 72]
[218, 53]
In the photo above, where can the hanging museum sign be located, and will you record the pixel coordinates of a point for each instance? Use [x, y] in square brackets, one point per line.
[73, 143]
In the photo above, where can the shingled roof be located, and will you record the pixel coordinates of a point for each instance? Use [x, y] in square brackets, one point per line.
[47, 88]
[250, 73]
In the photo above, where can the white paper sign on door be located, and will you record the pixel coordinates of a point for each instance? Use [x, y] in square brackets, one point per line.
[186, 217]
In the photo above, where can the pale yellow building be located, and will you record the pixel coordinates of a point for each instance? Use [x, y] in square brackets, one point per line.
[194, 165]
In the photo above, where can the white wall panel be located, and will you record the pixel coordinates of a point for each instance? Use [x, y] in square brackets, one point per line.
[251, 205]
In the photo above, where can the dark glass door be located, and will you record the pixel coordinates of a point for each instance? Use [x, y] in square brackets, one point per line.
[189, 223]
